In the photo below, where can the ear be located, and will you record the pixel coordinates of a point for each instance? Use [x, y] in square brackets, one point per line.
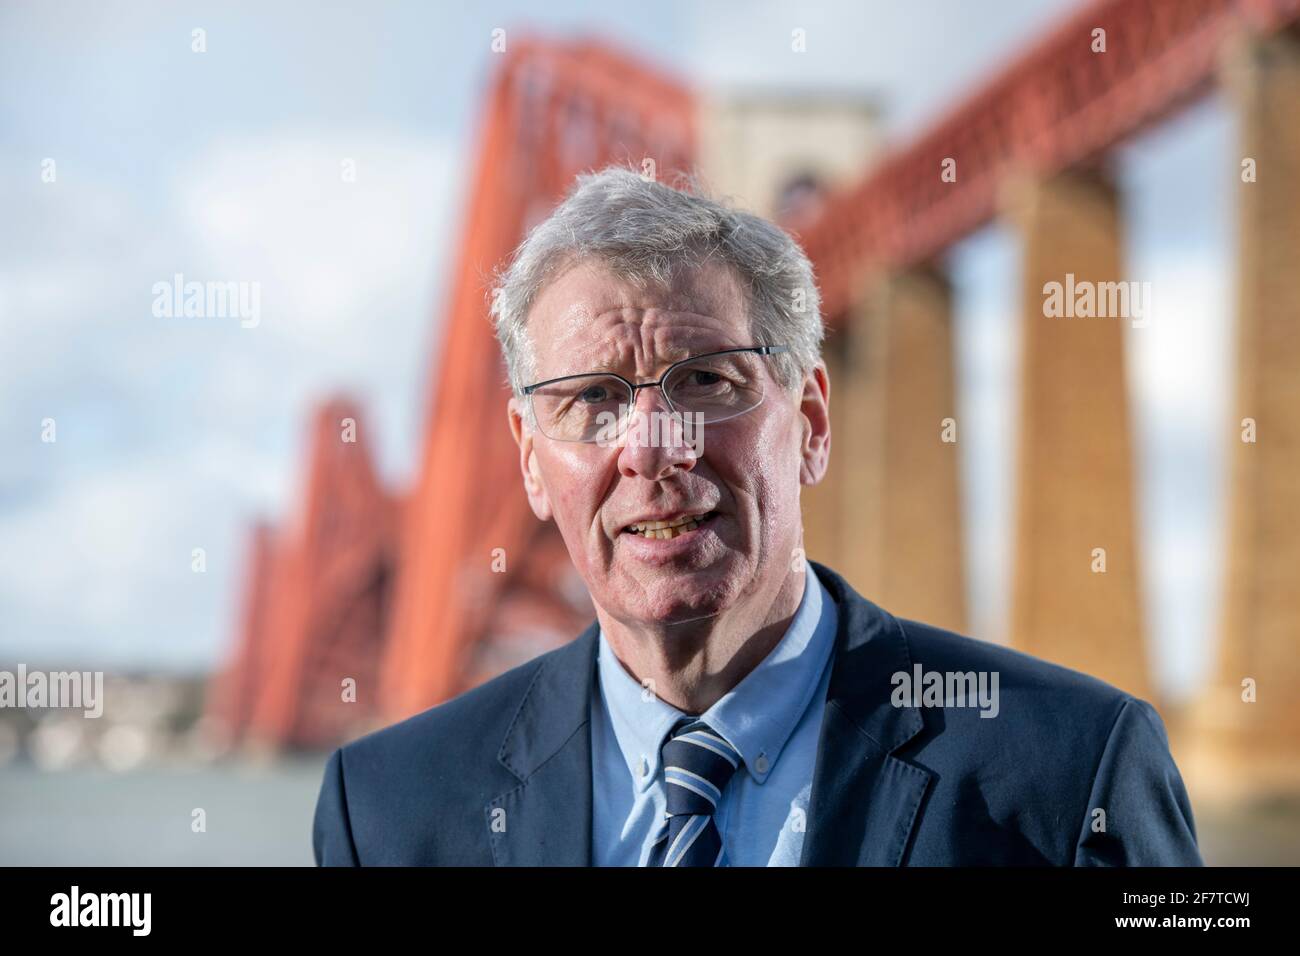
[815, 410]
[533, 484]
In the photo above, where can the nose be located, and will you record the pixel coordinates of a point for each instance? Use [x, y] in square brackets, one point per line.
[656, 444]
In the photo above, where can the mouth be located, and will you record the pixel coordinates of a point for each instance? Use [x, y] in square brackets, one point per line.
[670, 528]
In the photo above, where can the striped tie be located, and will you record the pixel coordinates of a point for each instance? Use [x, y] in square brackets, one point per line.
[697, 765]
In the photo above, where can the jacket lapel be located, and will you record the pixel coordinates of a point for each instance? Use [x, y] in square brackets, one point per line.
[546, 819]
[865, 801]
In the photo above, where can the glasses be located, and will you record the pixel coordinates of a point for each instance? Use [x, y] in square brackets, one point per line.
[704, 389]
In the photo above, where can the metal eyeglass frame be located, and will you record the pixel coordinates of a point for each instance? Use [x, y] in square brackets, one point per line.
[634, 387]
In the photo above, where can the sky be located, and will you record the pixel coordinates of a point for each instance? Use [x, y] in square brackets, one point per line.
[175, 434]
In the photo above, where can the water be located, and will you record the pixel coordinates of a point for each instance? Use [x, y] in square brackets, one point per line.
[256, 814]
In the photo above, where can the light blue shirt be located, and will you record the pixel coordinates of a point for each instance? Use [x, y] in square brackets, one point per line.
[773, 717]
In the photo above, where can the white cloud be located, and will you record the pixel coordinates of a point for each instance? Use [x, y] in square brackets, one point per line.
[1178, 362]
[172, 433]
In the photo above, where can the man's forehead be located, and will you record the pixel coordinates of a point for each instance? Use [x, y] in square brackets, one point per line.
[690, 285]
[592, 312]
[670, 344]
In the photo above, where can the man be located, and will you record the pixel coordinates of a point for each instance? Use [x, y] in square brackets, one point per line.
[732, 704]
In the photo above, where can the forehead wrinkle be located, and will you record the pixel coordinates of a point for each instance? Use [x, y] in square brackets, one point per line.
[660, 343]
[617, 325]
[645, 332]
[602, 349]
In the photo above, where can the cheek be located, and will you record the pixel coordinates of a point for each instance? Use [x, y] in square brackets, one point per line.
[575, 482]
[761, 468]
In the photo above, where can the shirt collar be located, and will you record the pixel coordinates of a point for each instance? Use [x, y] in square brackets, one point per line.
[756, 716]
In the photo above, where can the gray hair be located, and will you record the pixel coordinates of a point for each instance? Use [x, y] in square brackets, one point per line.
[645, 230]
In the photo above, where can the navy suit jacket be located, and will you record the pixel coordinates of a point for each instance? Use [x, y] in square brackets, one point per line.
[502, 775]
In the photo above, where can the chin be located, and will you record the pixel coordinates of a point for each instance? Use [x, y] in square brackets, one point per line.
[670, 596]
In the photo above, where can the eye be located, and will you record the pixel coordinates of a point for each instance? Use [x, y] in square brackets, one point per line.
[703, 377]
[593, 394]
[702, 381]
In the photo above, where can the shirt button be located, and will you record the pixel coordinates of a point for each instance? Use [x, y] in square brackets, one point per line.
[643, 767]
[761, 763]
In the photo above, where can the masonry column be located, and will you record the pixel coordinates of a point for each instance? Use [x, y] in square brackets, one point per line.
[1253, 747]
[901, 540]
[1074, 493]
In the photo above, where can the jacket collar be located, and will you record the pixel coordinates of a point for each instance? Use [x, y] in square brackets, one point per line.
[865, 801]
[546, 819]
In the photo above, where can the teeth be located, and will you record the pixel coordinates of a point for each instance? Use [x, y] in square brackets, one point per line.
[666, 530]
[660, 525]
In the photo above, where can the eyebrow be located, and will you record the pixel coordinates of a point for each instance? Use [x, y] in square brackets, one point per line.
[669, 356]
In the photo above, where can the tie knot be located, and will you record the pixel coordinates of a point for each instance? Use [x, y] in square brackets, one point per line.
[698, 762]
